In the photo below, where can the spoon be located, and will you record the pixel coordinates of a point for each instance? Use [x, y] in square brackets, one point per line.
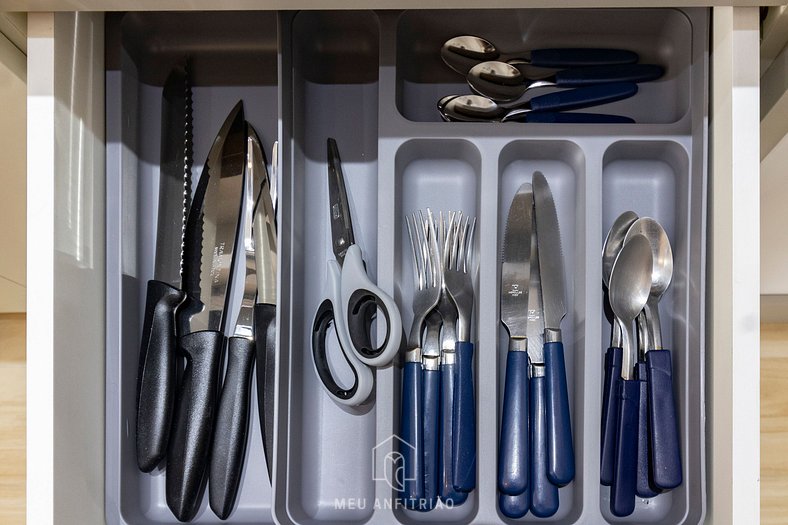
[630, 286]
[613, 356]
[664, 445]
[503, 82]
[475, 108]
[467, 109]
[461, 53]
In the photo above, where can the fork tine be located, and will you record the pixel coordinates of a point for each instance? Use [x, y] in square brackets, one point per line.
[418, 254]
[461, 248]
[469, 246]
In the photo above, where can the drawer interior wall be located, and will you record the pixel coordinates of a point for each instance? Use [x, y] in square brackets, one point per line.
[370, 79]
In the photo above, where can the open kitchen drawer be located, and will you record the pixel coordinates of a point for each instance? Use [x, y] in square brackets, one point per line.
[370, 79]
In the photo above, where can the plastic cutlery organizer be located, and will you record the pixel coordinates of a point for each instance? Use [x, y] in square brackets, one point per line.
[371, 80]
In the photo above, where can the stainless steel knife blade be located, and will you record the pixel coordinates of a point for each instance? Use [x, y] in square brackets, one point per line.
[516, 266]
[174, 176]
[218, 196]
[535, 330]
[264, 229]
[551, 259]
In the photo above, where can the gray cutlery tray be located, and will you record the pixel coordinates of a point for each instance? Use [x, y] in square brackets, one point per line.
[370, 79]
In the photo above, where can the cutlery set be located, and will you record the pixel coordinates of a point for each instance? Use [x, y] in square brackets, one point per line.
[438, 421]
[536, 453]
[187, 416]
[499, 82]
[640, 452]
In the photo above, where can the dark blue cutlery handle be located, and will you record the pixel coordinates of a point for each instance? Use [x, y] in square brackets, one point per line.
[464, 438]
[232, 427]
[447, 492]
[622, 492]
[587, 76]
[195, 410]
[643, 487]
[157, 373]
[432, 399]
[514, 507]
[514, 445]
[560, 449]
[610, 404]
[665, 446]
[412, 437]
[583, 97]
[570, 57]
[544, 494]
[550, 117]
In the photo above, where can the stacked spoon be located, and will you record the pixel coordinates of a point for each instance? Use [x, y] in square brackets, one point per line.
[640, 452]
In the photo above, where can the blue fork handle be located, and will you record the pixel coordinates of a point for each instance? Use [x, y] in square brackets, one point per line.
[587, 76]
[571, 57]
[464, 434]
[665, 451]
[432, 385]
[446, 488]
[643, 487]
[560, 450]
[622, 492]
[610, 404]
[583, 97]
[544, 494]
[514, 448]
[411, 445]
[515, 507]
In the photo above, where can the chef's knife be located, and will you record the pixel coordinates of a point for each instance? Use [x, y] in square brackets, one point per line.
[264, 231]
[514, 449]
[232, 418]
[211, 231]
[561, 457]
[156, 376]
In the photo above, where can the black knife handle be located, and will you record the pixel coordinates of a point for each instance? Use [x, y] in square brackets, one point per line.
[232, 427]
[190, 441]
[265, 341]
[156, 374]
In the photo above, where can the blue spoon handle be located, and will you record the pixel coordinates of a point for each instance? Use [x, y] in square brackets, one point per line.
[610, 404]
[666, 454]
[622, 492]
[643, 487]
[583, 97]
[588, 76]
[570, 57]
[550, 117]
[464, 438]
[514, 445]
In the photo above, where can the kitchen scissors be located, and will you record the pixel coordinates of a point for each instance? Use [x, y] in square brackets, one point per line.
[351, 303]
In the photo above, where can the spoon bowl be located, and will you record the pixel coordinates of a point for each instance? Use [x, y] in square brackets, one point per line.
[461, 53]
[614, 242]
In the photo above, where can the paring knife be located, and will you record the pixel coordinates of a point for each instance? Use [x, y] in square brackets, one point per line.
[514, 449]
[232, 419]
[156, 378]
[209, 249]
[561, 457]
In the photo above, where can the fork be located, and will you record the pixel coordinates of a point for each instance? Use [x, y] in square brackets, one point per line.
[427, 284]
[457, 262]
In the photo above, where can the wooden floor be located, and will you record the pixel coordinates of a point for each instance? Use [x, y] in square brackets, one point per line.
[12, 418]
[774, 421]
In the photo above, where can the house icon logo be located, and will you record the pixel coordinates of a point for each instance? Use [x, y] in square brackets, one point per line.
[388, 462]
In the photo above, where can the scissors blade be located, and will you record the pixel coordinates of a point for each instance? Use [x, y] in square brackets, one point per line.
[339, 209]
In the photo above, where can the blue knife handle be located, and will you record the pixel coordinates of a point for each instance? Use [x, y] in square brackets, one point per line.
[610, 404]
[583, 97]
[514, 507]
[432, 385]
[446, 490]
[622, 492]
[571, 57]
[544, 494]
[411, 446]
[666, 454]
[514, 445]
[549, 117]
[560, 449]
[587, 76]
[464, 434]
[643, 487]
